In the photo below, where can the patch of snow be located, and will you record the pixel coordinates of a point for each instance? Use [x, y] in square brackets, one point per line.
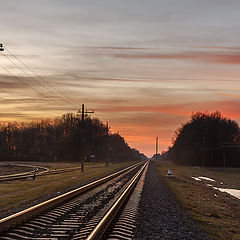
[233, 192]
[196, 178]
[208, 179]
[221, 183]
[209, 185]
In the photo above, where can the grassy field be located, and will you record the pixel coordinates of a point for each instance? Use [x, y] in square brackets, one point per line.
[216, 212]
[20, 194]
[9, 169]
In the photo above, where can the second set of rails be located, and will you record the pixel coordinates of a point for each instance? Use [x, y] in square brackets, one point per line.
[33, 174]
[84, 213]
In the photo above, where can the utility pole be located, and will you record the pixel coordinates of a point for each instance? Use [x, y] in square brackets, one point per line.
[224, 157]
[203, 156]
[157, 150]
[204, 149]
[107, 128]
[106, 161]
[107, 147]
[83, 112]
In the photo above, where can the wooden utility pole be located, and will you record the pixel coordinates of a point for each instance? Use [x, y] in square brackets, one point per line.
[157, 150]
[203, 156]
[108, 148]
[107, 128]
[83, 112]
[224, 157]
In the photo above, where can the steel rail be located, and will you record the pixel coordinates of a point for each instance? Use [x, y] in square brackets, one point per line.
[20, 176]
[103, 225]
[12, 176]
[56, 201]
[23, 175]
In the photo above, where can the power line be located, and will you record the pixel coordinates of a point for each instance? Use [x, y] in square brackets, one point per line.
[19, 79]
[30, 76]
[42, 79]
[24, 71]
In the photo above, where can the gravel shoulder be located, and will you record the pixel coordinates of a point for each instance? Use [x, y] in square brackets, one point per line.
[160, 216]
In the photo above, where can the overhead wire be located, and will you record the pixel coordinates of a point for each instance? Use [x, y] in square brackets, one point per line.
[64, 96]
[33, 78]
[19, 79]
[23, 71]
[22, 81]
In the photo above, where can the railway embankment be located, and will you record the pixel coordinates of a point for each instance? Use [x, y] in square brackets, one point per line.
[160, 216]
[197, 190]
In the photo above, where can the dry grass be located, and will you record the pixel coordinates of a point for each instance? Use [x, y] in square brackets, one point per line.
[9, 169]
[216, 212]
[18, 195]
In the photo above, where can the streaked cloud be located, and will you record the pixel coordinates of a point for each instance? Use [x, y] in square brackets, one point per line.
[227, 48]
[116, 48]
[144, 66]
[217, 57]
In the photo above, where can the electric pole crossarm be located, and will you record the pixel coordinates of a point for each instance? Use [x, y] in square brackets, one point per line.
[83, 112]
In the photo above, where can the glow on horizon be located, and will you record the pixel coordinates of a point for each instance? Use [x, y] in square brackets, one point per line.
[145, 67]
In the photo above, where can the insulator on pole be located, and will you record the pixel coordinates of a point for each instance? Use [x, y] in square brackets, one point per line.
[1, 47]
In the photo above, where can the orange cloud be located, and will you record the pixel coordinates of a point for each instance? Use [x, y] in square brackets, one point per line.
[143, 137]
[140, 125]
[175, 109]
[229, 95]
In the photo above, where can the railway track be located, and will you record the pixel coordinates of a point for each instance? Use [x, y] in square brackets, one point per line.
[24, 175]
[85, 213]
[33, 174]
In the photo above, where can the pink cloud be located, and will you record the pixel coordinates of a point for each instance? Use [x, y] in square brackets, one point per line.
[221, 47]
[232, 57]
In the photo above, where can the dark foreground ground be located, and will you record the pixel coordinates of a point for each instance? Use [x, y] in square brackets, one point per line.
[160, 215]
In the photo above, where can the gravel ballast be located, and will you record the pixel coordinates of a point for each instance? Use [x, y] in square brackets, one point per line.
[160, 216]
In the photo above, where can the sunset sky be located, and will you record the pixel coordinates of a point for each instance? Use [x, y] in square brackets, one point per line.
[143, 65]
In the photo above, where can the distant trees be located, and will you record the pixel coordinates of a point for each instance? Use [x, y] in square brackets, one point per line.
[207, 139]
[65, 138]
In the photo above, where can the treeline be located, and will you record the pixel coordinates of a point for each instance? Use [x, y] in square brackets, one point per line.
[207, 139]
[65, 138]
